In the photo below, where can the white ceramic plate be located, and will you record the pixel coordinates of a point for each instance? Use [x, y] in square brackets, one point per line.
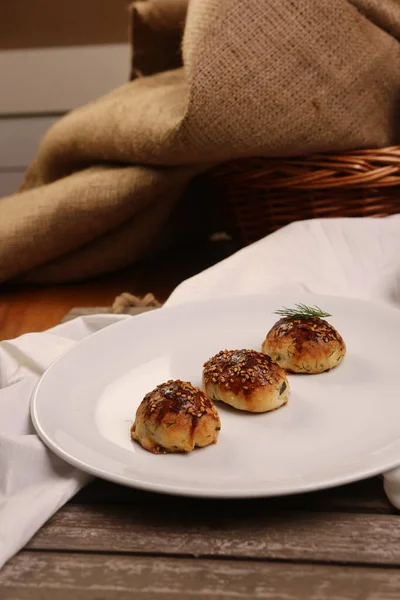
[338, 427]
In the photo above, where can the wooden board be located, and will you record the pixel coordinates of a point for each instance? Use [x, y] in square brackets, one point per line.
[222, 530]
[50, 576]
[45, 23]
[364, 496]
[48, 81]
[19, 140]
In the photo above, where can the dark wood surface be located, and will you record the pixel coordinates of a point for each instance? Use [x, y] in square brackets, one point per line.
[114, 542]
[64, 576]
[111, 542]
[48, 24]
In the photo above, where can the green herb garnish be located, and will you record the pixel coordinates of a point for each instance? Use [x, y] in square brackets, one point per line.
[302, 312]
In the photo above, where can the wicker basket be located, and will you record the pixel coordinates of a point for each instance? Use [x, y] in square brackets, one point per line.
[261, 195]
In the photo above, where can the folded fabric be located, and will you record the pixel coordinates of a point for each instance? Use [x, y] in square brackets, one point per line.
[272, 78]
[353, 257]
[34, 483]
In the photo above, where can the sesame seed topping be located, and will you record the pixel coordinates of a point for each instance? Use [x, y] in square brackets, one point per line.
[313, 327]
[243, 369]
[176, 397]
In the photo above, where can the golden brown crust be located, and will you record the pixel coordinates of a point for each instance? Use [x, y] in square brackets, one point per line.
[307, 345]
[175, 417]
[245, 379]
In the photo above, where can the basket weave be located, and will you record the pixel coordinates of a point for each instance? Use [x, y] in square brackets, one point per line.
[261, 195]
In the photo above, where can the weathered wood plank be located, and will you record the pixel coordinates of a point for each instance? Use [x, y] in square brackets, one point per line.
[224, 532]
[45, 576]
[364, 496]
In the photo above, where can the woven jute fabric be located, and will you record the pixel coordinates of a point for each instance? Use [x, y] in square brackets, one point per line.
[211, 81]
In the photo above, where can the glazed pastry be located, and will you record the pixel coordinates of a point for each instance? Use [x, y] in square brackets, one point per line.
[304, 344]
[175, 417]
[246, 379]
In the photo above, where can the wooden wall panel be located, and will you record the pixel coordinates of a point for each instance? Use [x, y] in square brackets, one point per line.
[49, 23]
[55, 55]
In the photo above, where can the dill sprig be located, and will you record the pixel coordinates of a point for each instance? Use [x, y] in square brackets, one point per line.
[302, 311]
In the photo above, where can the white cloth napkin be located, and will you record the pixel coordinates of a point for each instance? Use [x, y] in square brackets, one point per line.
[350, 257]
[356, 258]
[34, 482]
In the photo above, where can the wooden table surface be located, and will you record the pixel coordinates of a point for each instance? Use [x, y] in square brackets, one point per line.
[35, 308]
[116, 543]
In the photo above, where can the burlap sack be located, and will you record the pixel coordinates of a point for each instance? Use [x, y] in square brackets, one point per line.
[272, 78]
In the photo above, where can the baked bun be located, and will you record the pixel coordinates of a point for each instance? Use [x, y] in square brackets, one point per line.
[305, 345]
[175, 417]
[246, 379]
